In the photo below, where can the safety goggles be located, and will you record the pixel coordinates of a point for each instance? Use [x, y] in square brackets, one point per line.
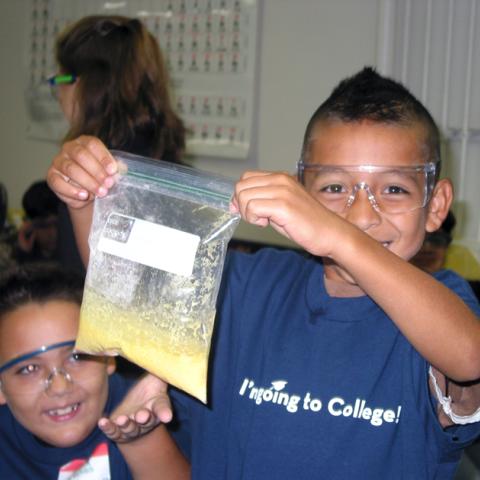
[32, 373]
[389, 189]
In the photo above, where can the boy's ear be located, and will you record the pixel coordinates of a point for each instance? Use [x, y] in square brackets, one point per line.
[111, 365]
[3, 400]
[439, 205]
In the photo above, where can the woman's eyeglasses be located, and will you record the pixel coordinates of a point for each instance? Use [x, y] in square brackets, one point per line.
[61, 79]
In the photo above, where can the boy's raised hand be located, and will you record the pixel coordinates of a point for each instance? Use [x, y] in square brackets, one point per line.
[83, 169]
[278, 199]
[144, 407]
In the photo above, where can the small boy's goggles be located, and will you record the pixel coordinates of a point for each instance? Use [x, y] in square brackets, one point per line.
[389, 189]
[30, 373]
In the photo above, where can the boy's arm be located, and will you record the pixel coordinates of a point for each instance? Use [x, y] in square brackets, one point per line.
[433, 318]
[138, 427]
[82, 170]
[155, 456]
[441, 327]
[82, 222]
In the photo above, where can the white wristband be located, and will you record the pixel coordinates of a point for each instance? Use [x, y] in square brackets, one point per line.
[446, 403]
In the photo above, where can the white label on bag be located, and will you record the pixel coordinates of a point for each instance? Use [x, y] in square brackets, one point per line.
[150, 244]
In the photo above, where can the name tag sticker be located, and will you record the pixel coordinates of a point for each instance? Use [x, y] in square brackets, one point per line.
[149, 244]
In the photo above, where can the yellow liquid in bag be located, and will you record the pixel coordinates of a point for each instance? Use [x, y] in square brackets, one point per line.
[170, 346]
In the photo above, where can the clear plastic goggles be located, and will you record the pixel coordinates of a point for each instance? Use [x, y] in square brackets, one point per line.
[32, 372]
[389, 189]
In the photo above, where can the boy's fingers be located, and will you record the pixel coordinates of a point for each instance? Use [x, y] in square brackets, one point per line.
[100, 152]
[87, 162]
[258, 196]
[254, 173]
[162, 409]
[145, 418]
[109, 428]
[72, 160]
[129, 428]
[77, 177]
[82, 170]
[65, 189]
[121, 429]
[121, 421]
[125, 429]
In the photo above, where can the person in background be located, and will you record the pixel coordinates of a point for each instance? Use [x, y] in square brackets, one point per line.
[350, 362]
[432, 255]
[37, 236]
[8, 234]
[51, 397]
[112, 83]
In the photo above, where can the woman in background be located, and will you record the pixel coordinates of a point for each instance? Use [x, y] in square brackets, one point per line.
[113, 84]
[119, 87]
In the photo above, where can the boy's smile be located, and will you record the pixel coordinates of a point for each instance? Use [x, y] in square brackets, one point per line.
[338, 143]
[65, 403]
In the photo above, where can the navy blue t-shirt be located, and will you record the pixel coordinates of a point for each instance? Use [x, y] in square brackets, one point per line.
[303, 385]
[23, 456]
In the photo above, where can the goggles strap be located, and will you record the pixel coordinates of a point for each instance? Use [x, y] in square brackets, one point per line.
[42, 349]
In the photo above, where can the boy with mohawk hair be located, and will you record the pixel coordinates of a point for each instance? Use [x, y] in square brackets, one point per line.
[383, 358]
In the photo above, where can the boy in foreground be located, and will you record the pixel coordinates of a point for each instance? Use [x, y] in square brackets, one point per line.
[51, 398]
[351, 363]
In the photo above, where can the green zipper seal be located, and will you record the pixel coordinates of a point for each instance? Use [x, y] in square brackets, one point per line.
[181, 188]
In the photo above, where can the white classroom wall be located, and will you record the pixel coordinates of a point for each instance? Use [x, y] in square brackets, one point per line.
[305, 48]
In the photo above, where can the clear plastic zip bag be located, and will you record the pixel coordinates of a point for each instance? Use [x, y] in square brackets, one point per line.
[157, 248]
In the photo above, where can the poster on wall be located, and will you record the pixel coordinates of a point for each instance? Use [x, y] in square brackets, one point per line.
[210, 48]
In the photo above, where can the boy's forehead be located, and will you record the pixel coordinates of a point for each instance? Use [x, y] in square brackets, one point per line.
[34, 325]
[366, 143]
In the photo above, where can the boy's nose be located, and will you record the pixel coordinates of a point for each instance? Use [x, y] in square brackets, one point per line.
[58, 382]
[362, 211]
